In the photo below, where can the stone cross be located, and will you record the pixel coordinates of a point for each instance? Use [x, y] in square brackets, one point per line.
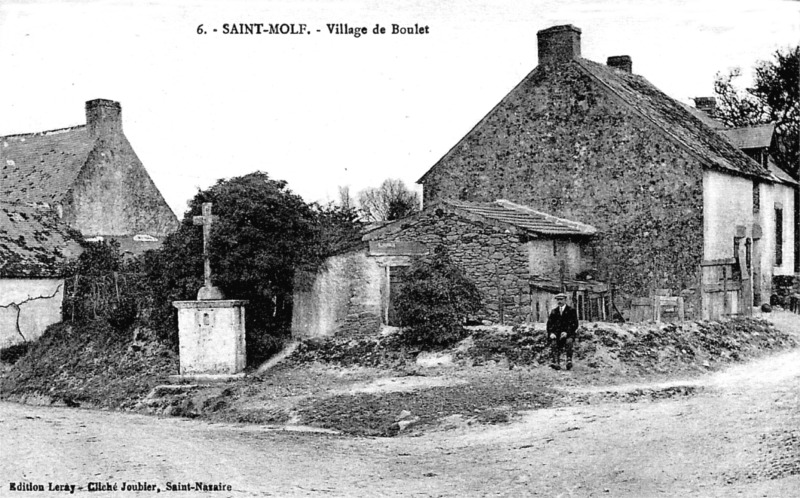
[208, 291]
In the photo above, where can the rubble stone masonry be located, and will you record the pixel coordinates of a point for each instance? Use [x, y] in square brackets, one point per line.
[564, 144]
[492, 257]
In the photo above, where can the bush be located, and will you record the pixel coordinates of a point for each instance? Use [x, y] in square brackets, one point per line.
[435, 301]
[12, 354]
[102, 285]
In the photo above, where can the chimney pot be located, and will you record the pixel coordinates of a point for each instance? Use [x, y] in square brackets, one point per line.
[621, 62]
[559, 44]
[103, 117]
[706, 104]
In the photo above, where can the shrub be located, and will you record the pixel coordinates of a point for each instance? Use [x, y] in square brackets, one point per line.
[102, 285]
[435, 301]
[12, 354]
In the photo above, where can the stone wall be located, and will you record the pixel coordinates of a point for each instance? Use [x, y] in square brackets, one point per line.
[563, 144]
[343, 298]
[783, 287]
[114, 195]
[491, 256]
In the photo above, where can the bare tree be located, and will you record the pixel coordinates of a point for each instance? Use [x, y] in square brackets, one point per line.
[391, 201]
[346, 201]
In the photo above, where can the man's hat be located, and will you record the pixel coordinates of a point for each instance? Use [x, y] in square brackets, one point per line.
[561, 295]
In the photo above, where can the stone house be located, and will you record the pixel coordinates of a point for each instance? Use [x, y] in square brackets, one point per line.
[34, 246]
[60, 184]
[517, 257]
[758, 142]
[678, 207]
[90, 176]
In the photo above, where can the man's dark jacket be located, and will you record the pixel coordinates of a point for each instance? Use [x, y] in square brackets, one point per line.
[562, 322]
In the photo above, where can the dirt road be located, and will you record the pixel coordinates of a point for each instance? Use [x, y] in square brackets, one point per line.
[734, 433]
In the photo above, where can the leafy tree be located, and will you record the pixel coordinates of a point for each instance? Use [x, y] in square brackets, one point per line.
[391, 201]
[338, 227]
[774, 97]
[436, 300]
[262, 235]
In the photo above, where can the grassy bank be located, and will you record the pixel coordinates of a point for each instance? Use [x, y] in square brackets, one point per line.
[89, 364]
[379, 386]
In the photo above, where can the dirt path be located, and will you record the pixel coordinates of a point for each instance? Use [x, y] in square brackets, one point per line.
[733, 433]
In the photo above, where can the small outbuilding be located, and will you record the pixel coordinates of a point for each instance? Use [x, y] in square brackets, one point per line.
[516, 256]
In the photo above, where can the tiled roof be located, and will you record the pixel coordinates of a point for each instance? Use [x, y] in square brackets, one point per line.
[779, 174]
[33, 243]
[673, 118]
[750, 137]
[41, 167]
[524, 217]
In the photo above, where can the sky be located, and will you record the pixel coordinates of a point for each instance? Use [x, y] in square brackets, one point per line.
[323, 110]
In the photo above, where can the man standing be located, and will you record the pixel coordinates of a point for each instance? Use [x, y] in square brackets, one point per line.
[561, 327]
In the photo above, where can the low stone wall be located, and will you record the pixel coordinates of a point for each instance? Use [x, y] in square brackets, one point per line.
[783, 287]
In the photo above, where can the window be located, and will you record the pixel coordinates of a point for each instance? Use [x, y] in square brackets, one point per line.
[756, 197]
[778, 236]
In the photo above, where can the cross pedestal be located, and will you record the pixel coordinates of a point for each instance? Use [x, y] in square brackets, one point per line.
[211, 333]
[211, 336]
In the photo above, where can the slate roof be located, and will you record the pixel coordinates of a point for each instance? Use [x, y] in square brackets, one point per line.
[750, 137]
[524, 217]
[41, 167]
[692, 132]
[33, 243]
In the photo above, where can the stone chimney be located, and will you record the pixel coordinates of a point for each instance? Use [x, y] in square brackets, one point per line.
[103, 117]
[706, 104]
[621, 62]
[559, 44]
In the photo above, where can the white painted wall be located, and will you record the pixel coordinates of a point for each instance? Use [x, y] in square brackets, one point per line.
[773, 195]
[348, 283]
[727, 202]
[35, 315]
[542, 262]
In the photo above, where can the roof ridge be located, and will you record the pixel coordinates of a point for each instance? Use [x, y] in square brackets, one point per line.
[720, 162]
[583, 227]
[759, 125]
[45, 132]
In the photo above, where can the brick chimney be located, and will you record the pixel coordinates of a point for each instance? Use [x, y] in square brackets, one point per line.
[559, 44]
[621, 62]
[706, 104]
[103, 117]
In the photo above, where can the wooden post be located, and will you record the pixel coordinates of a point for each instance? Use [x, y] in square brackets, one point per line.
[388, 295]
[725, 310]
